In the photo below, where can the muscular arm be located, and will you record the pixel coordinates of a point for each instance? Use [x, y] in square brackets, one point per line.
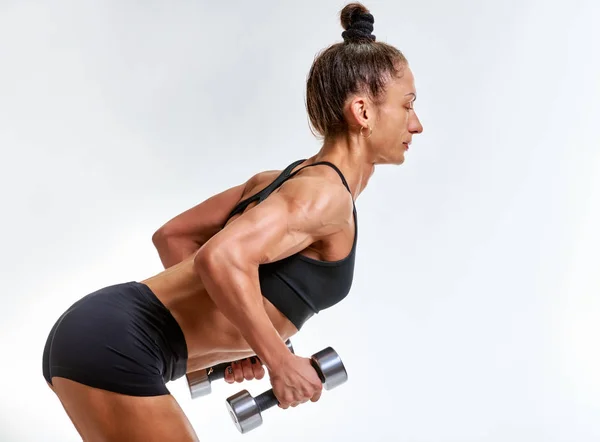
[183, 235]
[287, 222]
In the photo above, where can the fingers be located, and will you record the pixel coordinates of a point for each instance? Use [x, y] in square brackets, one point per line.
[248, 369]
[286, 406]
[316, 396]
[298, 397]
[238, 371]
[229, 377]
[287, 400]
[257, 368]
[234, 373]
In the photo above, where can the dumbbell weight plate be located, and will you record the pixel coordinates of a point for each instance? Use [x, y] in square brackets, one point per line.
[331, 367]
[199, 383]
[244, 411]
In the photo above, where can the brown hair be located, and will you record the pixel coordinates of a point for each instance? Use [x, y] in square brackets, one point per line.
[358, 65]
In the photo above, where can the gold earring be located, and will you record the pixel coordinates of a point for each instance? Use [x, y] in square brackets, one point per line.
[370, 131]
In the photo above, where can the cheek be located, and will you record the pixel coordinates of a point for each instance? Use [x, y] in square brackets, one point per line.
[391, 122]
[400, 123]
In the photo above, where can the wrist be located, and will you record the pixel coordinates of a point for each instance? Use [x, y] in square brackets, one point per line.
[281, 363]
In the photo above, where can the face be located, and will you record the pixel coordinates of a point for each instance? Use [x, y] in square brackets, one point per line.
[394, 121]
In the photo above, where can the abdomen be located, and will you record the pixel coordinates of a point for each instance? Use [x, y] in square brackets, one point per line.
[206, 329]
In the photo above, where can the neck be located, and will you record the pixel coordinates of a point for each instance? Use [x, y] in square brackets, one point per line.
[351, 158]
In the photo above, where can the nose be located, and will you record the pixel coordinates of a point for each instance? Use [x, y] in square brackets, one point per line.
[414, 125]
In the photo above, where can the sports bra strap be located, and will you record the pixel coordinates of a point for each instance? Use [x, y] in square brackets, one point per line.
[283, 176]
[260, 196]
[327, 163]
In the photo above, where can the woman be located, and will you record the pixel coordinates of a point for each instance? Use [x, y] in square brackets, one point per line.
[247, 267]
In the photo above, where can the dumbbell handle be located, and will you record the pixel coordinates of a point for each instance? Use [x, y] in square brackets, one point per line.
[267, 400]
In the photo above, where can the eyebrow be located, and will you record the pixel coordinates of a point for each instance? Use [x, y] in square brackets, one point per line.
[413, 94]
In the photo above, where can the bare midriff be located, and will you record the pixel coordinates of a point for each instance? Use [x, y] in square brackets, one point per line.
[210, 337]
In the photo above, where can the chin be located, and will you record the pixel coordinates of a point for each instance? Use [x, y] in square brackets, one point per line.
[401, 154]
[400, 159]
[393, 158]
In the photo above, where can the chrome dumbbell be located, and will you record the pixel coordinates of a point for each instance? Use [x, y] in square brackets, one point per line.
[199, 381]
[245, 410]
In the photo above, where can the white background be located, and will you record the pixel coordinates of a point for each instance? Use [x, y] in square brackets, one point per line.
[474, 315]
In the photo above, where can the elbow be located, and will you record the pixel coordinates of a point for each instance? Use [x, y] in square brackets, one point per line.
[162, 233]
[165, 237]
[161, 236]
[208, 260]
[215, 260]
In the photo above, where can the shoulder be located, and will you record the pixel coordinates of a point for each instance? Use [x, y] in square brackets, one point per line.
[319, 197]
[261, 179]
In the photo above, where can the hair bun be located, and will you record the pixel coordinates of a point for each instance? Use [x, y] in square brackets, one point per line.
[358, 23]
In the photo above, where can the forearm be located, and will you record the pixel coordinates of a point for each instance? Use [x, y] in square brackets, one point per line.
[172, 249]
[236, 293]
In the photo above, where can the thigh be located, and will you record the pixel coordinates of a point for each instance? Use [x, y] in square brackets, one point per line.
[102, 416]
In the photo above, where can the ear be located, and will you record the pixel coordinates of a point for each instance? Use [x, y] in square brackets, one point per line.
[359, 112]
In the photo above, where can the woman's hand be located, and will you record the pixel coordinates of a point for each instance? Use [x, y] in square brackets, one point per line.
[295, 382]
[248, 369]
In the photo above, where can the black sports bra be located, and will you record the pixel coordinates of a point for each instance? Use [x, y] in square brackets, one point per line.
[299, 286]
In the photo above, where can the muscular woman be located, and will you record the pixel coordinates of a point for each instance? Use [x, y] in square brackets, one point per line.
[245, 268]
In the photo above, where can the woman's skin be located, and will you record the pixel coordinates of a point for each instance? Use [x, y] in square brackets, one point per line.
[211, 284]
[183, 236]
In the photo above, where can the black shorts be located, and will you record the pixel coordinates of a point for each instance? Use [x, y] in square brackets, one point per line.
[120, 338]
